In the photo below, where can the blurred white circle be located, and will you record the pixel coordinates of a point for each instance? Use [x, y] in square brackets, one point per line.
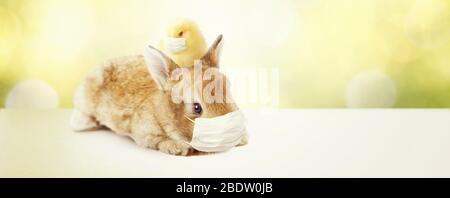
[32, 94]
[371, 89]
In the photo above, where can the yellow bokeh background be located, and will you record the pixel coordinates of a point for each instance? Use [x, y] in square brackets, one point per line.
[317, 45]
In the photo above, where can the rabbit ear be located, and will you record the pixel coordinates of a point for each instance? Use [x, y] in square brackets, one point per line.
[159, 66]
[211, 58]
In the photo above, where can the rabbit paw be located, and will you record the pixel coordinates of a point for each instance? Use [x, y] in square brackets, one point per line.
[82, 122]
[175, 148]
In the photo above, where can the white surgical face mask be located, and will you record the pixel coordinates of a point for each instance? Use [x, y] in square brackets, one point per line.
[220, 133]
[175, 45]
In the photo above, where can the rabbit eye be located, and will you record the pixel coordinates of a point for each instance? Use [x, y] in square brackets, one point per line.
[197, 109]
[180, 34]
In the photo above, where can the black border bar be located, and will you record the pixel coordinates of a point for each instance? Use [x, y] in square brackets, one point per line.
[226, 186]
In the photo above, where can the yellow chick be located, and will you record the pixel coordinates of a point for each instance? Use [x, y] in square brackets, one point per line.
[183, 42]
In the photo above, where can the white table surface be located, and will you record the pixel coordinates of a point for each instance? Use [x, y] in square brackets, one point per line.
[283, 143]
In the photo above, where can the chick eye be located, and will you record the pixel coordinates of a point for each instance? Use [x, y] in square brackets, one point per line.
[198, 109]
[180, 34]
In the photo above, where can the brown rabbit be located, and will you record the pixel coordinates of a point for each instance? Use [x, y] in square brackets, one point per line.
[132, 97]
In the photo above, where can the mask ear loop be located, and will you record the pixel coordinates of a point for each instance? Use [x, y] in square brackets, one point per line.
[193, 122]
[189, 118]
